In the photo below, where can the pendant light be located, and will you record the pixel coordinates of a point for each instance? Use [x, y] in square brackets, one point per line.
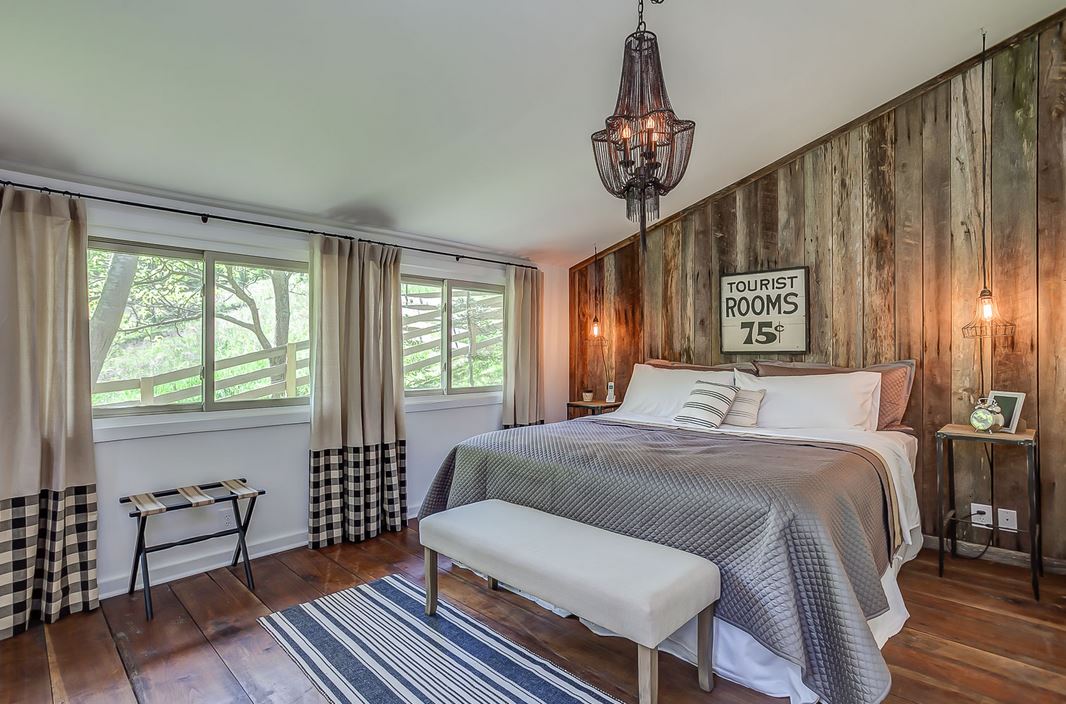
[644, 149]
[987, 321]
[596, 303]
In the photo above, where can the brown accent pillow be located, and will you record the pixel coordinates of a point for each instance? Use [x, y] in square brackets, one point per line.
[729, 366]
[897, 379]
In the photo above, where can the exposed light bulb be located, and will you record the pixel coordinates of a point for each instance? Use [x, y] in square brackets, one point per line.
[626, 132]
[596, 327]
[986, 309]
[650, 124]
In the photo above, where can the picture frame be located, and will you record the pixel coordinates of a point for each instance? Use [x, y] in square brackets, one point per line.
[1010, 404]
[765, 312]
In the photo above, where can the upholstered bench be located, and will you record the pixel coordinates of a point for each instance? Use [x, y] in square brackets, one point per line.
[640, 590]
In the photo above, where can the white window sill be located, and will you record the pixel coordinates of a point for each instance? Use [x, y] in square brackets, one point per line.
[422, 404]
[131, 427]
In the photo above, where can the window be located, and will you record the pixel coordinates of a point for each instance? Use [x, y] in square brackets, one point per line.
[153, 349]
[469, 357]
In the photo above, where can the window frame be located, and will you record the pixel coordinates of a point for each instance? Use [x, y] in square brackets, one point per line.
[446, 388]
[209, 258]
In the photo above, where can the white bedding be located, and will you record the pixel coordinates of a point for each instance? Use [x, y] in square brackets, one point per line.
[738, 656]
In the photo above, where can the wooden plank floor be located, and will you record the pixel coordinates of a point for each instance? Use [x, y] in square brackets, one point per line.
[974, 636]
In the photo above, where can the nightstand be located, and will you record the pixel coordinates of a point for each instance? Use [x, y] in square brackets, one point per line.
[946, 438]
[577, 409]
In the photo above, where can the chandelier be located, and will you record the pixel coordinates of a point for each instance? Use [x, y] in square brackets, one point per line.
[644, 149]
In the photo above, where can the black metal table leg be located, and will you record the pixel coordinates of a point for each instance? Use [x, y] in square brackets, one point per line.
[954, 531]
[247, 521]
[146, 585]
[137, 550]
[1034, 519]
[940, 503]
[242, 545]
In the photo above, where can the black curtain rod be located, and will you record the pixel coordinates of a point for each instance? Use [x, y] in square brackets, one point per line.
[204, 217]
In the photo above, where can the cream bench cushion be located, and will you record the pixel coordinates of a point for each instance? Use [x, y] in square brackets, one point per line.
[640, 590]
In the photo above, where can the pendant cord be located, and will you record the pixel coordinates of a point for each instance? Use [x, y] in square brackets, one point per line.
[986, 180]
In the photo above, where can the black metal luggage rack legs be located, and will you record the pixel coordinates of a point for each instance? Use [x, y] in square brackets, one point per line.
[151, 504]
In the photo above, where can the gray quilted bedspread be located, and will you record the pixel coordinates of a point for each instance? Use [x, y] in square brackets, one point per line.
[800, 530]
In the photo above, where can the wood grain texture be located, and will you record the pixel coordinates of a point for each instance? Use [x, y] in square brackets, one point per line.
[970, 359]
[1051, 282]
[887, 212]
[627, 340]
[1013, 261]
[84, 664]
[24, 668]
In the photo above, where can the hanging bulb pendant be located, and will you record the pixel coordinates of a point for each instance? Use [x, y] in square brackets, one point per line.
[987, 321]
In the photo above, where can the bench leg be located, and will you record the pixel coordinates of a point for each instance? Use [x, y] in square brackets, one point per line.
[648, 674]
[705, 647]
[431, 581]
[494, 584]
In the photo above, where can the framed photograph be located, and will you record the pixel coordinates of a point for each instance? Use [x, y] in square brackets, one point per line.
[765, 311]
[1010, 403]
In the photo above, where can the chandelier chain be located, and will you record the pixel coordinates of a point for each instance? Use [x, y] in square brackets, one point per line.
[641, 26]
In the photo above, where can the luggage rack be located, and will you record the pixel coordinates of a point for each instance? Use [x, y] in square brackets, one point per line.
[196, 496]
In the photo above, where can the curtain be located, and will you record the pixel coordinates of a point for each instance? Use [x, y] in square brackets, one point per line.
[358, 467]
[47, 476]
[523, 379]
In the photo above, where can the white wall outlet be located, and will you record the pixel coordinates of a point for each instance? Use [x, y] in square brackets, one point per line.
[1007, 518]
[227, 516]
[981, 514]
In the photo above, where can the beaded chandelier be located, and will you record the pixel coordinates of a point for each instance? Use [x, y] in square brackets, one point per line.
[644, 150]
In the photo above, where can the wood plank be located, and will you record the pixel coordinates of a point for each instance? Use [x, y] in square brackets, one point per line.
[607, 311]
[578, 314]
[83, 662]
[705, 329]
[673, 293]
[910, 260]
[653, 294]
[879, 240]
[748, 233]
[968, 360]
[318, 570]
[1051, 324]
[687, 282]
[790, 214]
[723, 258]
[24, 668]
[168, 659]
[818, 248]
[628, 341]
[226, 613]
[1012, 204]
[847, 249]
[593, 299]
[937, 332]
[766, 245]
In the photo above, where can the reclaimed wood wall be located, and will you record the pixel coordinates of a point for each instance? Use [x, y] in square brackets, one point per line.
[887, 215]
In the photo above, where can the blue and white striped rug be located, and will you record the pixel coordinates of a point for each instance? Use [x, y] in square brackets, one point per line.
[373, 643]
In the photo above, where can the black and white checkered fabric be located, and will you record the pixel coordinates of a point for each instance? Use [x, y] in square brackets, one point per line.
[357, 493]
[47, 556]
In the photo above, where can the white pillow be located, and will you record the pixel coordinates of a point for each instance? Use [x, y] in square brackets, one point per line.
[654, 391]
[707, 406]
[817, 401]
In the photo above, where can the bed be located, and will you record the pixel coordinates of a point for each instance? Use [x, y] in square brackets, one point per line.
[809, 527]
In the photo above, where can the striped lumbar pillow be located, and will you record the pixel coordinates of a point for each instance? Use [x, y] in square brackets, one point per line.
[707, 405]
[745, 409]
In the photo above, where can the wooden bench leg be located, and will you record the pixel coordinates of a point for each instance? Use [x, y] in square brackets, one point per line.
[431, 581]
[705, 647]
[648, 674]
[494, 584]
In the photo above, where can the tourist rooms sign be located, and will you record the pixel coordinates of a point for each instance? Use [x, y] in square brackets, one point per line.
[765, 311]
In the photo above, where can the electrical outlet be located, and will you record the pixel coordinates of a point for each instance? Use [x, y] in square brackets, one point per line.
[981, 514]
[1008, 518]
[227, 516]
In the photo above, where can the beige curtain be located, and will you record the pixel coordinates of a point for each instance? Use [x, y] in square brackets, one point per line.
[523, 379]
[357, 465]
[47, 476]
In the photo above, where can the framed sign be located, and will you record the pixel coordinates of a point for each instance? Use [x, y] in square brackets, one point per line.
[765, 311]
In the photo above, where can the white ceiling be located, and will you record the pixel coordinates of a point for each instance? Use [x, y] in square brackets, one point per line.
[466, 120]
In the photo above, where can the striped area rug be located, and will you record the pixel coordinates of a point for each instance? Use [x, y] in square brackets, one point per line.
[373, 643]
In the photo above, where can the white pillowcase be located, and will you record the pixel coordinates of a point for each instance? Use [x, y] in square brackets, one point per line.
[654, 391]
[817, 401]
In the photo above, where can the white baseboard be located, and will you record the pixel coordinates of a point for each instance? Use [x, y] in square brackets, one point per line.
[178, 567]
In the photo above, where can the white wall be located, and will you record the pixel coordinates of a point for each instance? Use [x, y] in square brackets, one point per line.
[268, 447]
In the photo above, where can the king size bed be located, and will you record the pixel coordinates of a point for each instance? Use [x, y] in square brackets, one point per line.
[809, 526]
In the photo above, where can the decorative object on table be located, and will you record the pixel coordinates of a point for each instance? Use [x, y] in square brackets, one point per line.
[947, 522]
[1010, 406]
[448, 657]
[644, 149]
[987, 416]
[577, 409]
[586, 395]
[610, 392]
[987, 321]
[765, 311]
[197, 496]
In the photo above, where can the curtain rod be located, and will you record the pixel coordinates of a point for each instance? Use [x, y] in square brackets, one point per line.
[205, 216]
